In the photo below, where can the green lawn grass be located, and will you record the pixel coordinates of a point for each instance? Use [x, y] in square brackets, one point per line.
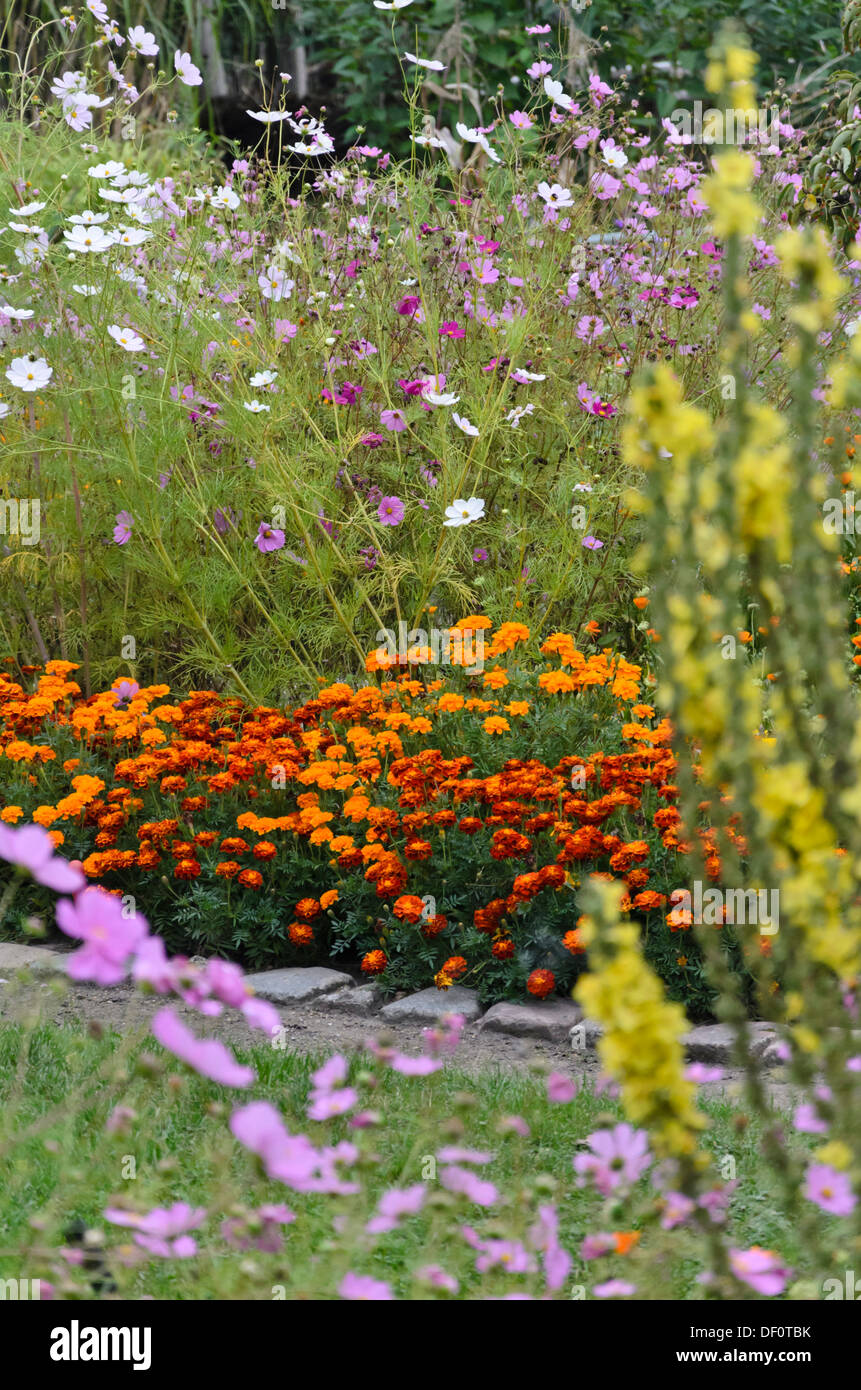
[58, 1164]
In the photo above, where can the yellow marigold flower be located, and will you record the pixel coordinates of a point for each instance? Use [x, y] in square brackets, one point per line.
[557, 682]
[518, 707]
[11, 814]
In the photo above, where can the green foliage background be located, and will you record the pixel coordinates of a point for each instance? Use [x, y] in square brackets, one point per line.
[352, 67]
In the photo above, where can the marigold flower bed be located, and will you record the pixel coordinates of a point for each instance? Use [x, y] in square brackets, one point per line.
[291, 836]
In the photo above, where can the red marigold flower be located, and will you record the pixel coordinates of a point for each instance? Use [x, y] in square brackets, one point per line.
[187, 868]
[454, 967]
[228, 869]
[307, 909]
[470, 825]
[250, 878]
[234, 845]
[434, 926]
[350, 859]
[541, 983]
[503, 948]
[374, 962]
[265, 850]
[418, 849]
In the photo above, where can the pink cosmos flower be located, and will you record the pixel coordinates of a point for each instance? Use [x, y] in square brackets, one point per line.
[206, 1056]
[761, 1269]
[619, 1155]
[408, 305]
[268, 538]
[123, 528]
[521, 121]
[98, 919]
[677, 1208]
[829, 1189]
[478, 1190]
[451, 329]
[413, 1066]
[291, 1158]
[545, 1237]
[560, 1089]
[614, 1288]
[592, 543]
[124, 690]
[394, 1204]
[391, 511]
[163, 1230]
[31, 849]
[437, 1278]
[260, 1230]
[394, 420]
[362, 1288]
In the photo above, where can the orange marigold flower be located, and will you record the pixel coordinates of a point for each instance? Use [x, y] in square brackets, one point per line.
[541, 983]
[418, 849]
[265, 850]
[234, 845]
[11, 814]
[228, 869]
[187, 868]
[307, 909]
[495, 724]
[300, 933]
[434, 926]
[328, 898]
[641, 601]
[573, 942]
[250, 878]
[374, 963]
[408, 908]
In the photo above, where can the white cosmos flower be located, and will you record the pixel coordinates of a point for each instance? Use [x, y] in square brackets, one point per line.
[433, 63]
[256, 407]
[274, 283]
[441, 398]
[852, 327]
[88, 218]
[616, 158]
[87, 239]
[461, 512]
[32, 252]
[557, 94]
[268, 117]
[265, 378]
[11, 313]
[29, 373]
[463, 423]
[88, 290]
[25, 227]
[142, 42]
[132, 236]
[126, 338]
[62, 87]
[185, 69]
[554, 195]
[520, 374]
[107, 171]
[4, 410]
[28, 210]
[225, 198]
[433, 140]
[126, 196]
[391, 4]
[475, 137]
[516, 415]
[321, 143]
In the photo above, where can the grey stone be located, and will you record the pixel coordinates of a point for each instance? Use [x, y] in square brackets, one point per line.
[14, 956]
[297, 986]
[429, 1006]
[361, 999]
[714, 1042]
[551, 1020]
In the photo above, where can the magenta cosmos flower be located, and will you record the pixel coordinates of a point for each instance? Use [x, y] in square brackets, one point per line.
[110, 938]
[391, 511]
[759, 1268]
[268, 538]
[31, 849]
[829, 1189]
[204, 1055]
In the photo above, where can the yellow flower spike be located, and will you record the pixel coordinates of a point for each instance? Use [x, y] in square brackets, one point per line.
[836, 1154]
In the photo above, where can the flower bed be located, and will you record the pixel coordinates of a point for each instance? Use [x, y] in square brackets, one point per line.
[434, 827]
